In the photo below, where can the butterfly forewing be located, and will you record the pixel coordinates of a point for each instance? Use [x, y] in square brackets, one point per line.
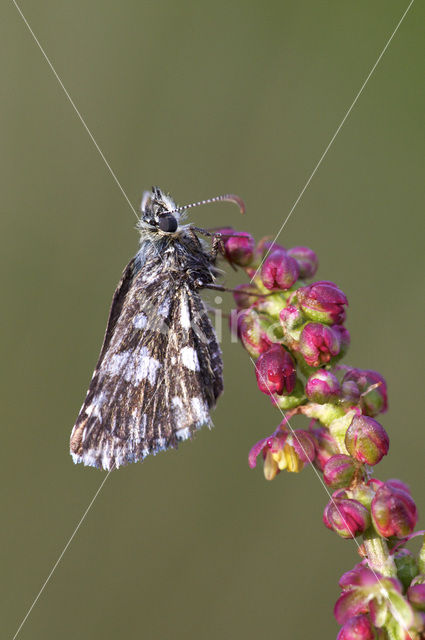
[158, 375]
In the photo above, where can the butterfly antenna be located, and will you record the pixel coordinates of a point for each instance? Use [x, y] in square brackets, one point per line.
[228, 197]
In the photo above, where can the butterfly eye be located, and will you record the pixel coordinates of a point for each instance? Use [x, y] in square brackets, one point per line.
[167, 223]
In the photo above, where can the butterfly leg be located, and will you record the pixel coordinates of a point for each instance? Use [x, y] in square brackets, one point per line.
[218, 287]
[217, 245]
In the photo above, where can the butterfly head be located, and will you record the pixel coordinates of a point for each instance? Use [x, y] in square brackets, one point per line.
[156, 211]
[161, 216]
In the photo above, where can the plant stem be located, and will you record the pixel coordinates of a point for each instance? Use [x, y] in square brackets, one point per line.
[378, 555]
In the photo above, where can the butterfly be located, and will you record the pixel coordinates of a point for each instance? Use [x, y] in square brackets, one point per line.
[159, 372]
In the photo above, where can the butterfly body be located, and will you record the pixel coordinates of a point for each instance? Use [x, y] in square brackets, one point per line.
[160, 370]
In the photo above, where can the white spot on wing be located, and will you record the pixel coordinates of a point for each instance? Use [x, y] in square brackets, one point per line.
[137, 428]
[183, 434]
[164, 308]
[177, 402]
[134, 366]
[184, 313]
[143, 426]
[200, 409]
[189, 358]
[93, 410]
[148, 366]
[140, 321]
[117, 363]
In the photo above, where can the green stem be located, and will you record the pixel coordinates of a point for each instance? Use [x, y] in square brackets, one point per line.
[421, 558]
[378, 555]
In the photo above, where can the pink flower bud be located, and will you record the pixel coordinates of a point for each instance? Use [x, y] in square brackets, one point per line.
[242, 297]
[357, 628]
[266, 245]
[350, 392]
[416, 595]
[290, 318]
[279, 270]
[362, 592]
[393, 510]
[373, 401]
[354, 578]
[252, 333]
[275, 370]
[239, 246]
[344, 339]
[326, 446]
[357, 585]
[366, 440]
[323, 302]
[393, 482]
[348, 518]
[322, 387]
[339, 471]
[306, 259]
[318, 344]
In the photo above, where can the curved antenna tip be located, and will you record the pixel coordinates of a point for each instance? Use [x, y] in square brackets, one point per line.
[231, 197]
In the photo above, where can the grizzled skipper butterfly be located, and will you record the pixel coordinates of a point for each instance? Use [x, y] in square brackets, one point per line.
[159, 371]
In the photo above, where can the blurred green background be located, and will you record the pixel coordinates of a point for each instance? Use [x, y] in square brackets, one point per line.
[200, 98]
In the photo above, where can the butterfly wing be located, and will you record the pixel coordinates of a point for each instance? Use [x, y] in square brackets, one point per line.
[158, 375]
